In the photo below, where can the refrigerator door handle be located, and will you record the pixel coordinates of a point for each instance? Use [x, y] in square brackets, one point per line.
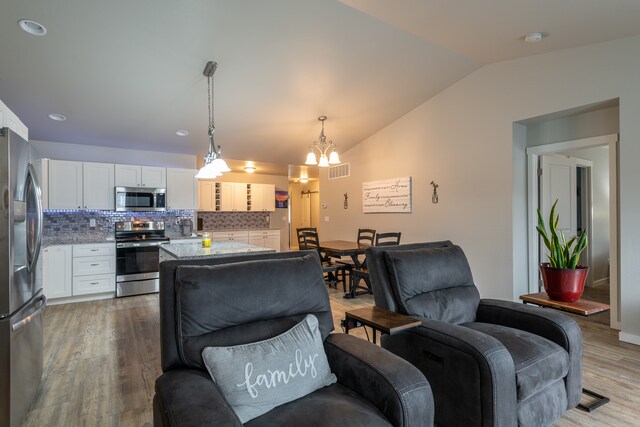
[35, 251]
[24, 322]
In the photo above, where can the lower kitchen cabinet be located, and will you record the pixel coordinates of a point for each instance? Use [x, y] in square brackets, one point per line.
[234, 236]
[94, 268]
[265, 238]
[95, 284]
[56, 268]
[79, 270]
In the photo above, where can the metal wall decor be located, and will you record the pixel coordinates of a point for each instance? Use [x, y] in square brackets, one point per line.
[346, 201]
[434, 196]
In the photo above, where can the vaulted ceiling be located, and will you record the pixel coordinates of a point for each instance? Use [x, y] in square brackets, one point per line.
[129, 73]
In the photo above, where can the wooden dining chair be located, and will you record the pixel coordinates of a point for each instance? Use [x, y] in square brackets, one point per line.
[362, 273]
[301, 230]
[334, 272]
[365, 236]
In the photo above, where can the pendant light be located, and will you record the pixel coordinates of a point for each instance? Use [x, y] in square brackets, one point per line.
[214, 165]
[323, 147]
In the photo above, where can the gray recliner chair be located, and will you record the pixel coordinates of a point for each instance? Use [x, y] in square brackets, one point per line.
[489, 362]
[235, 300]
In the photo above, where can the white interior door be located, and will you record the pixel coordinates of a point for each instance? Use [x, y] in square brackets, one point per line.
[558, 182]
[305, 211]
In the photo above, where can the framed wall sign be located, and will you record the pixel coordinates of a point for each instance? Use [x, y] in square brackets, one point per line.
[388, 196]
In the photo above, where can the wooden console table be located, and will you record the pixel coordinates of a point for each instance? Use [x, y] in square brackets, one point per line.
[379, 319]
[583, 308]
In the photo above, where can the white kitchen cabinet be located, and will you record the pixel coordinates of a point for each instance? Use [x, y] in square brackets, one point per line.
[128, 175]
[265, 239]
[182, 189]
[262, 197]
[206, 196]
[140, 176]
[94, 268]
[233, 236]
[233, 197]
[98, 186]
[57, 267]
[65, 184]
[80, 185]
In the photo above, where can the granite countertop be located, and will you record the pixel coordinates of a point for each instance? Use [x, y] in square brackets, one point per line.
[237, 229]
[77, 239]
[195, 250]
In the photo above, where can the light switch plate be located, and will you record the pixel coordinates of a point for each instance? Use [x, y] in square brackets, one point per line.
[92, 222]
[326, 219]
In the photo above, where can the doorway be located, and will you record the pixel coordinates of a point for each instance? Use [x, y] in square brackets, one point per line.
[592, 189]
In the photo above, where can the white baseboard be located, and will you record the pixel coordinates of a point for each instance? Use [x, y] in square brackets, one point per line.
[630, 338]
[81, 298]
[600, 282]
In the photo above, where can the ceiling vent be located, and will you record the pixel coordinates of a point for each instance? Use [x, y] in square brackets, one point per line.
[339, 171]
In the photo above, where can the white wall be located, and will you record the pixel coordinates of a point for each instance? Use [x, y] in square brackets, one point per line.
[93, 153]
[463, 139]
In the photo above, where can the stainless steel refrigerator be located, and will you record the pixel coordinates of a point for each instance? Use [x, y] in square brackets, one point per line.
[22, 300]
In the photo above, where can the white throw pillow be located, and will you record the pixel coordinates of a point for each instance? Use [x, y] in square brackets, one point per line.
[257, 377]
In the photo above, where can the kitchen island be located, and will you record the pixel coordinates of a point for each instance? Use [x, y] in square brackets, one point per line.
[194, 250]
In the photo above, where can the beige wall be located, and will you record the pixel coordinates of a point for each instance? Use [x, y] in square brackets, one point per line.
[279, 218]
[463, 139]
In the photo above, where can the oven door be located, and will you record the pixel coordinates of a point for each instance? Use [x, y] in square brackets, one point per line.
[137, 261]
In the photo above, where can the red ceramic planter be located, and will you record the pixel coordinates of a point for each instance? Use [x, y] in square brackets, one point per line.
[564, 284]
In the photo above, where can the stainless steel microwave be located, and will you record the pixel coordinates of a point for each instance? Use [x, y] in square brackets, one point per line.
[141, 199]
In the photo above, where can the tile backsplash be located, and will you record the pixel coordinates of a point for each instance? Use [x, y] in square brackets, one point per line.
[62, 225]
[230, 220]
[74, 226]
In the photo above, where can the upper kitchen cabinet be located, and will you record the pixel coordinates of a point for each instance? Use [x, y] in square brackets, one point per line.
[233, 197]
[206, 196]
[140, 176]
[80, 185]
[262, 197]
[182, 189]
[98, 186]
[65, 184]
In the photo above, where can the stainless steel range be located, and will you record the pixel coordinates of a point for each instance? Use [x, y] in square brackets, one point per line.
[138, 257]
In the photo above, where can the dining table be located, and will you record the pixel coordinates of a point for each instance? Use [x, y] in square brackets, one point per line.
[340, 248]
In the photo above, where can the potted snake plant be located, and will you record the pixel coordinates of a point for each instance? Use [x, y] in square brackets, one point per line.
[563, 278]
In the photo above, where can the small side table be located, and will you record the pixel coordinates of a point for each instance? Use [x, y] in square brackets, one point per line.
[379, 319]
[583, 308]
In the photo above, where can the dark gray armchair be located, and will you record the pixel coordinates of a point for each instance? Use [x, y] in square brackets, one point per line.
[242, 299]
[489, 362]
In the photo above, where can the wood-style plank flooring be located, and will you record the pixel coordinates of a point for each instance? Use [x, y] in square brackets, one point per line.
[102, 358]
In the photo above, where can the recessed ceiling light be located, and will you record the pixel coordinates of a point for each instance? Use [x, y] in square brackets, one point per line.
[182, 133]
[249, 169]
[533, 37]
[57, 117]
[32, 27]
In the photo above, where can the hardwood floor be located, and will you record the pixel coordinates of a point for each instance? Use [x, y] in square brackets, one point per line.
[102, 358]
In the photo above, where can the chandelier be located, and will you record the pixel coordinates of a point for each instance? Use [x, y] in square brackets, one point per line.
[323, 147]
[214, 165]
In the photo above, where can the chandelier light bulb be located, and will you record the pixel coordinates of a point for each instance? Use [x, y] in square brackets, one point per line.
[333, 158]
[311, 159]
[324, 162]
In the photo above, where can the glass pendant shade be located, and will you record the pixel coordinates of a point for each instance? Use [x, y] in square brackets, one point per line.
[311, 159]
[324, 162]
[333, 158]
[220, 165]
[208, 171]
